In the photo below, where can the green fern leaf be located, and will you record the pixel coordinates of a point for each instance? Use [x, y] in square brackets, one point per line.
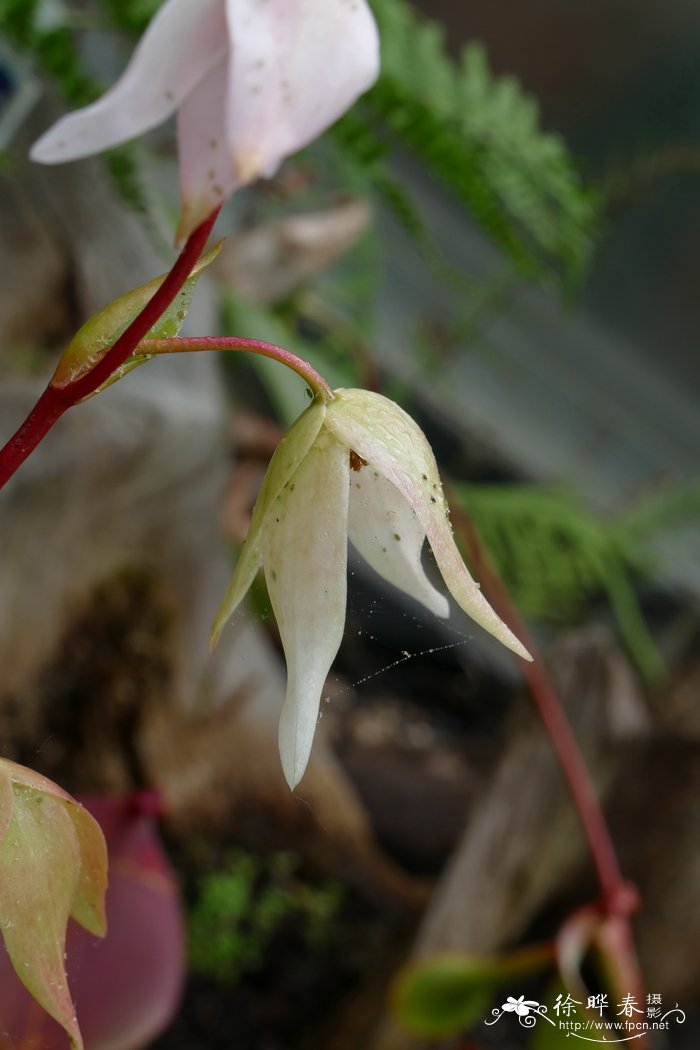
[480, 134]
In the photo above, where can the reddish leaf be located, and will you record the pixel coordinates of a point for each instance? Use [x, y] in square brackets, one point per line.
[39, 870]
[126, 986]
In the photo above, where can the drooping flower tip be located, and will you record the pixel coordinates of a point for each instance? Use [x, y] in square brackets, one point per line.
[251, 82]
[359, 468]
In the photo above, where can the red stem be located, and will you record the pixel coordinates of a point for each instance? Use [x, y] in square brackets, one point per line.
[252, 346]
[619, 898]
[56, 400]
[616, 896]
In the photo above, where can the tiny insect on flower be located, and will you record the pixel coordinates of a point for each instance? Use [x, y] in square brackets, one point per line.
[354, 467]
[252, 82]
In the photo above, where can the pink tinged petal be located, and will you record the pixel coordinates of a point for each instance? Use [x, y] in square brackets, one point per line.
[297, 66]
[207, 175]
[385, 531]
[182, 43]
[287, 458]
[305, 558]
[384, 435]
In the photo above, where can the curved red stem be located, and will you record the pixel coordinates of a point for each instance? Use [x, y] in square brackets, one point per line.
[56, 400]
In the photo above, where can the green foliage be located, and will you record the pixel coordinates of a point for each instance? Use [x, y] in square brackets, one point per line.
[480, 135]
[239, 911]
[448, 993]
[554, 557]
[52, 46]
[131, 15]
[444, 995]
[55, 51]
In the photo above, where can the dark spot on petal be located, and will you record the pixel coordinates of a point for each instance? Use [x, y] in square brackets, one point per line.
[273, 574]
[432, 499]
[356, 462]
[396, 536]
[424, 476]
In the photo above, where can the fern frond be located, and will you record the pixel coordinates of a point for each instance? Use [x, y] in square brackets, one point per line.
[555, 557]
[480, 135]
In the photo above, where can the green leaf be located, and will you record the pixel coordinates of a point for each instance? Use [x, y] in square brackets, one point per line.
[53, 864]
[88, 907]
[7, 801]
[480, 135]
[102, 330]
[39, 870]
[444, 995]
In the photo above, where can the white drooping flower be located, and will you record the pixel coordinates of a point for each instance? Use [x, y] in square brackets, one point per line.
[252, 82]
[354, 467]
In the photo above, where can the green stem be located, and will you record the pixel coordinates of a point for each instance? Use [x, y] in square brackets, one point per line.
[316, 382]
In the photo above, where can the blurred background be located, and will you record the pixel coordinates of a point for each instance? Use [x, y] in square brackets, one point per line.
[504, 240]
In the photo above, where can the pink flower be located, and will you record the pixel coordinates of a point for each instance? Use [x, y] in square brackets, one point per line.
[252, 82]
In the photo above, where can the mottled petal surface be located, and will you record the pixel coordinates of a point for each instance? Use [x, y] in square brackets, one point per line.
[305, 557]
[182, 43]
[386, 532]
[384, 435]
[287, 458]
[296, 66]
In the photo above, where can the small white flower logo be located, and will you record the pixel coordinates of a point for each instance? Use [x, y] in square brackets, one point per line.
[521, 1006]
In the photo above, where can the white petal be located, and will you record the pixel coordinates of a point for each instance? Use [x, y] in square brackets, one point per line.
[305, 558]
[207, 175]
[385, 530]
[297, 66]
[183, 41]
[286, 460]
[383, 434]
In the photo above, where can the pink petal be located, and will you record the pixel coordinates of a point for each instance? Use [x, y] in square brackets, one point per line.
[297, 66]
[305, 558]
[207, 175]
[182, 43]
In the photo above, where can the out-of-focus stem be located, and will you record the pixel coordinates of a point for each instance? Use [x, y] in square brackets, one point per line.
[553, 718]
